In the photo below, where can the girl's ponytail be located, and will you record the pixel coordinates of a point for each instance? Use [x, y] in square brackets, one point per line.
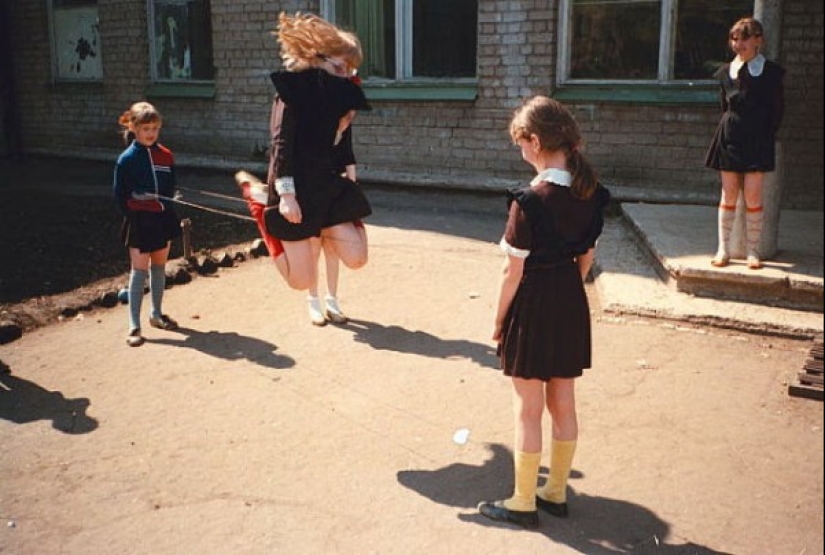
[585, 178]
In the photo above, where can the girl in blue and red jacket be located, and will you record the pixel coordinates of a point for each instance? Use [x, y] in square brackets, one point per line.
[144, 185]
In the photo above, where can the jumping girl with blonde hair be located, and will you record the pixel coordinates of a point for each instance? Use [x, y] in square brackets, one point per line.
[312, 202]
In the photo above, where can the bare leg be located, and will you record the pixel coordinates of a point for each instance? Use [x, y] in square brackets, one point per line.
[300, 263]
[528, 406]
[316, 315]
[332, 309]
[349, 242]
[561, 402]
[333, 268]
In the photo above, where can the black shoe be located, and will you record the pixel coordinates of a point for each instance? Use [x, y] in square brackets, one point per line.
[495, 510]
[558, 510]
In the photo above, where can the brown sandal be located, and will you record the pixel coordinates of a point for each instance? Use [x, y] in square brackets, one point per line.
[720, 261]
[135, 339]
[163, 323]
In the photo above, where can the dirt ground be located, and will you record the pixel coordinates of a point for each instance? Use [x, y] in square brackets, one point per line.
[62, 251]
[249, 431]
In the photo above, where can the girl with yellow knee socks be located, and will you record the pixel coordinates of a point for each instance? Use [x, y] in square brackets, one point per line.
[542, 323]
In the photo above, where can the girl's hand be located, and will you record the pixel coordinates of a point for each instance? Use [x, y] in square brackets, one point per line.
[497, 333]
[290, 209]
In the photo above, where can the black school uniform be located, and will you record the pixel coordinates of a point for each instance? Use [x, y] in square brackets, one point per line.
[546, 331]
[753, 104]
[304, 124]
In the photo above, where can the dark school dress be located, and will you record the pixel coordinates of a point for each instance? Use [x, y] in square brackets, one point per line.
[303, 125]
[148, 225]
[753, 106]
[546, 332]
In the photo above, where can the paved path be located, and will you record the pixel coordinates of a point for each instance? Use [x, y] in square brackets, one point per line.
[250, 431]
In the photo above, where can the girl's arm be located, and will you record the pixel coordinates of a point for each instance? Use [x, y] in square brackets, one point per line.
[512, 273]
[283, 126]
[585, 262]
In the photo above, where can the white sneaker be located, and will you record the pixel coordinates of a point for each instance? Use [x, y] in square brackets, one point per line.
[333, 312]
[316, 316]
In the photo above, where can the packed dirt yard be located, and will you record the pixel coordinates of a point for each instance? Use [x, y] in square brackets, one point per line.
[250, 431]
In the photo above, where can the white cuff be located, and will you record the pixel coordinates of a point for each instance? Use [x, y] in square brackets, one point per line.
[513, 251]
[285, 186]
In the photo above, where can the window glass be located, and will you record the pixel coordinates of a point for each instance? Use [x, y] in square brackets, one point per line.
[374, 23]
[615, 39]
[701, 36]
[76, 39]
[182, 40]
[646, 40]
[437, 38]
[444, 38]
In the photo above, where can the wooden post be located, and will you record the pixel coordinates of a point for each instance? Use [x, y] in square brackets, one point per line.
[186, 226]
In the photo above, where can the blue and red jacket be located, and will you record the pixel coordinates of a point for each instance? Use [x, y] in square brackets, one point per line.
[143, 173]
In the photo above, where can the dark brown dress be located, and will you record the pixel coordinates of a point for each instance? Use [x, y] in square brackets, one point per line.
[303, 126]
[753, 107]
[546, 331]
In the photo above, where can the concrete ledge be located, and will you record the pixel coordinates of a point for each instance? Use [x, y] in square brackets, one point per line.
[681, 240]
[630, 286]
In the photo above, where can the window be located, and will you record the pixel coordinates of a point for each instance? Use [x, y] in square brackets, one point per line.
[181, 41]
[645, 41]
[412, 40]
[76, 40]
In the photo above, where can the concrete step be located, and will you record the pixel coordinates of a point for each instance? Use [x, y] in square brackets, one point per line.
[680, 241]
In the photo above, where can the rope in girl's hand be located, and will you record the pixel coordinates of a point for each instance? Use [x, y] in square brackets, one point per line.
[178, 200]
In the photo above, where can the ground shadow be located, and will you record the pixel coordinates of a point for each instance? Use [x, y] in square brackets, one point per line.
[230, 346]
[472, 215]
[24, 402]
[401, 340]
[597, 525]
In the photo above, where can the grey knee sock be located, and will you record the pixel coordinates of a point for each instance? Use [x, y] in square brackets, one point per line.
[137, 281]
[157, 284]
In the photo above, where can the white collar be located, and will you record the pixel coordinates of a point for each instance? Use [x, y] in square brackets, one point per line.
[554, 175]
[755, 67]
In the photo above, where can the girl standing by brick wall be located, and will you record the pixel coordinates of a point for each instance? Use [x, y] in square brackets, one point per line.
[743, 148]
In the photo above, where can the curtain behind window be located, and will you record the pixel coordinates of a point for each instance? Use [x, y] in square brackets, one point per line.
[374, 23]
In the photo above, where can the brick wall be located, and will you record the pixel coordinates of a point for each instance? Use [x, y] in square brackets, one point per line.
[802, 129]
[644, 151]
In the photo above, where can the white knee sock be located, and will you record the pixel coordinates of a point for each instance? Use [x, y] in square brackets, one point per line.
[754, 218]
[727, 215]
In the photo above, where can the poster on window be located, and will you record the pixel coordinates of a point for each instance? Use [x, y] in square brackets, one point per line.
[77, 44]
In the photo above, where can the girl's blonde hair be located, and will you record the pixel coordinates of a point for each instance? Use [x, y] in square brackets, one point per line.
[556, 129]
[139, 113]
[307, 40]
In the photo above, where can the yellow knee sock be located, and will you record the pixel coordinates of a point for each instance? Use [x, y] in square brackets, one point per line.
[561, 463]
[526, 477]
